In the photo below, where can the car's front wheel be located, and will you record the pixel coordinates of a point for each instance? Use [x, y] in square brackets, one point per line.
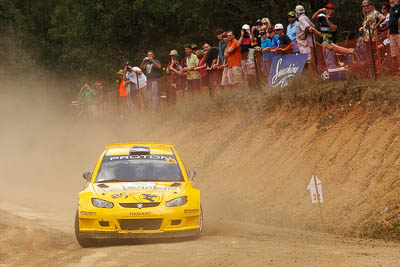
[83, 241]
[201, 221]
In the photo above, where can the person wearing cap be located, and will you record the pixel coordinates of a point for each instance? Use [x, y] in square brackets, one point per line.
[137, 84]
[328, 27]
[256, 31]
[193, 76]
[291, 28]
[271, 34]
[304, 38]
[247, 41]
[285, 45]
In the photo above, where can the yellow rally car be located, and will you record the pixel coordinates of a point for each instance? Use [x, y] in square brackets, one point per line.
[138, 190]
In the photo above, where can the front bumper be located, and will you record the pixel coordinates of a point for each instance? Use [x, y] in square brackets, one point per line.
[145, 223]
[132, 235]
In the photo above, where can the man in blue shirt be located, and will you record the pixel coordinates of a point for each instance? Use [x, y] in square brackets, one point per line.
[291, 29]
[266, 46]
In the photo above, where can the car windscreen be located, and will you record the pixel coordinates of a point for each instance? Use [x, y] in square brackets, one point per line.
[136, 168]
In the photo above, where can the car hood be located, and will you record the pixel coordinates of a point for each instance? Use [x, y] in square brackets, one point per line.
[139, 192]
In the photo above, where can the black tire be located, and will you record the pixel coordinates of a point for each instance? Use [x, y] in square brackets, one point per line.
[201, 221]
[83, 241]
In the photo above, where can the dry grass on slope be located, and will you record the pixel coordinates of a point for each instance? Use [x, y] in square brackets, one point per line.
[381, 97]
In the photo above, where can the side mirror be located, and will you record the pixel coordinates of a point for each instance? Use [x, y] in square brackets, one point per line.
[192, 175]
[87, 176]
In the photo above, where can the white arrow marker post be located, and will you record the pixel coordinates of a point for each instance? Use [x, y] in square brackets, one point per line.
[315, 188]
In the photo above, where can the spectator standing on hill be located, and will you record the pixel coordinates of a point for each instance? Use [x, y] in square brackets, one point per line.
[89, 96]
[123, 96]
[273, 37]
[138, 83]
[256, 32]
[194, 48]
[152, 69]
[383, 42]
[246, 42]
[291, 29]
[201, 68]
[328, 27]
[193, 76]
[265, 23]
[211, 62]
[130, 87]
[177, 79]
[372, 18]
[285, 45]
[266, 46]
[221, 37]
[98, 86]
[394, 33]
[303, 36]
[233, 72]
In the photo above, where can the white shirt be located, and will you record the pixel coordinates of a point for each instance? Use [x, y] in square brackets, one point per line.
[132, 77]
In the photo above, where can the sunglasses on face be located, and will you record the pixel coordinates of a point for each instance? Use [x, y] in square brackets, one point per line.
[291, 17]
[365, 6]
[264, 23]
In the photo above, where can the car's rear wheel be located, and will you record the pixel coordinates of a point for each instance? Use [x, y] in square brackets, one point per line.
[83, 241]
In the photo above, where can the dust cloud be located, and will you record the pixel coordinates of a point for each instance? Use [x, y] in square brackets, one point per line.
[252, 172]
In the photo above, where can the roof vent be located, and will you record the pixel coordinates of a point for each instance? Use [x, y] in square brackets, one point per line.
[139, 150]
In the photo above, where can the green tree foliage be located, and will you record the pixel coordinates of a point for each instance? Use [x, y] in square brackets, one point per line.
[93, 38]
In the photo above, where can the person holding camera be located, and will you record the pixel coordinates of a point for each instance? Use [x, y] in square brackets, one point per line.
[153, 72]
[137, 81]
[89, 96]
[177, 77]
[328, 27]
[246, 42]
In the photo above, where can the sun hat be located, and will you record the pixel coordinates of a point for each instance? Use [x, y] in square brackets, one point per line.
[245, 27]
[278, 26]
[120, 72]
[173, 52]
[300, 9]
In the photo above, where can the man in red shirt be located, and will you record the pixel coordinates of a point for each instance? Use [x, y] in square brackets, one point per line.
[232, 75]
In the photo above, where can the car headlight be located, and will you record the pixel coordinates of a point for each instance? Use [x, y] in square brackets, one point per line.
[100, 203]
[176, 202]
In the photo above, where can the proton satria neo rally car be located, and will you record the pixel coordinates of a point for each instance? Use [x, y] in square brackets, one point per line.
[138, 190]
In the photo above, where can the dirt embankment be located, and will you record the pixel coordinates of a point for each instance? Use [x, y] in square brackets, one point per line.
[254, 153]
